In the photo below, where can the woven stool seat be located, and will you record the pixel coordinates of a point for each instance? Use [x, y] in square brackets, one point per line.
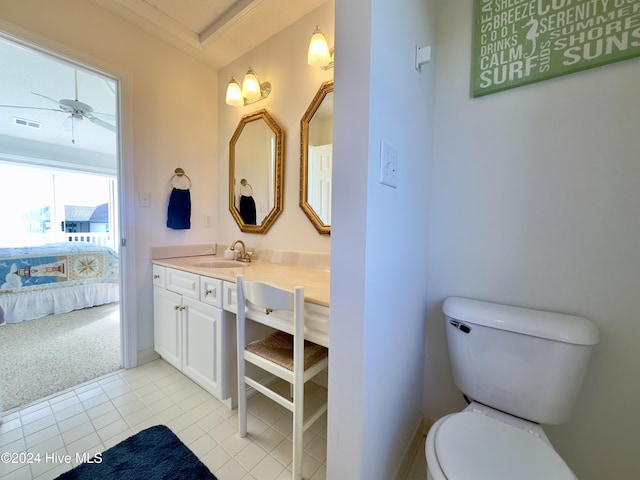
[278, 348]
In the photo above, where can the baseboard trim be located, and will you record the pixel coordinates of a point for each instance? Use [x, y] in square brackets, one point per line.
[417, 441]
[147, 355]
[410, 452]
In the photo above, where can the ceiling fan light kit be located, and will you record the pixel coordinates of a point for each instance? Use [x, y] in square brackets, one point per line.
[75, 109]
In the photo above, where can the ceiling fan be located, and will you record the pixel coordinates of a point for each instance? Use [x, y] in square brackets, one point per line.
[75, 109]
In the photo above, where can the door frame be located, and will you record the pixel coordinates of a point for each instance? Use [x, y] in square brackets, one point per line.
[124, 136]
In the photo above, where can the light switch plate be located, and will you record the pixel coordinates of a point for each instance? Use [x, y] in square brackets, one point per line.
[144, 199]
[388, 165]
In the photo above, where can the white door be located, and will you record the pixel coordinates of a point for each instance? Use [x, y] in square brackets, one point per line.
[319, 195]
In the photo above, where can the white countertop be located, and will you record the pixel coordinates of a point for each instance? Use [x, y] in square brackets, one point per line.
[314, 280]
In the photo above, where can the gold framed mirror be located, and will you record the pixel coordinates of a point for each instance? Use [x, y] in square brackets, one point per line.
[256, 162]
[316, 157]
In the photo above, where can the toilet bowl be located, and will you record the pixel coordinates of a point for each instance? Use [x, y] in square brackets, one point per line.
[480, 443]
[520, 368]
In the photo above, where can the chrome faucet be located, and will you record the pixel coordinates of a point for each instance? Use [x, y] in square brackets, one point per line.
[243, 256]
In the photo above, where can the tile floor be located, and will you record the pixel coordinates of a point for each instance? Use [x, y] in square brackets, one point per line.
[97, 415]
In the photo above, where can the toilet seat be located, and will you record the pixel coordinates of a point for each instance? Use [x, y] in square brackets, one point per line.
[470, 445]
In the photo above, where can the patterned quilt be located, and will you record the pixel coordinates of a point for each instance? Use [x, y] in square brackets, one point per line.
[56, 265]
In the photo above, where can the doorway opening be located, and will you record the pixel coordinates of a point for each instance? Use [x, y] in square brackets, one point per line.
[60, 261]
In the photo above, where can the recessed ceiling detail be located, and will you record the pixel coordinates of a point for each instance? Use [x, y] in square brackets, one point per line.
[214, 31]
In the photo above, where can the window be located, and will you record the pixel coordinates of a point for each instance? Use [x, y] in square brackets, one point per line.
[44, 205]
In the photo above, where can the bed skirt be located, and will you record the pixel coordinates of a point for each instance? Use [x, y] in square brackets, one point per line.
[19, 306]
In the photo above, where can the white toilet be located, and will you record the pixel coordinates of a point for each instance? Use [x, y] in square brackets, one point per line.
[518, 368]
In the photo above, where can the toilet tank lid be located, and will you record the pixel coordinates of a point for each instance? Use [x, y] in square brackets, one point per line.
[538, 323]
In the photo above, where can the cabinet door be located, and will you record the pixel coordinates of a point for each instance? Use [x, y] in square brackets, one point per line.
[167, 334]
[201, 333]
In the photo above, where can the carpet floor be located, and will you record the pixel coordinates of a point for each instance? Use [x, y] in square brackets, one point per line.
[50, 354]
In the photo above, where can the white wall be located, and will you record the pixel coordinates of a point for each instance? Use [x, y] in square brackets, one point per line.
[535, 203]
[281, 60]
[170, 109]
[378, 251]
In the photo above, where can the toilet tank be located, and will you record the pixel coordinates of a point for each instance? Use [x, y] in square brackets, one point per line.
[528, 363]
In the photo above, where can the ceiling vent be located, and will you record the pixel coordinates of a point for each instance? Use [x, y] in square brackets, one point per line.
[26, 123]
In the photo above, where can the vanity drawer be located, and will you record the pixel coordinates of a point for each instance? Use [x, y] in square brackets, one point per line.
[184, 283]
[211, 291]
[316, 317]
[230, 300]
[159, 275]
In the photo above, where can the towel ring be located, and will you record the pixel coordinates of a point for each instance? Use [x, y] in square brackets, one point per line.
[243, 187]
[179, 173]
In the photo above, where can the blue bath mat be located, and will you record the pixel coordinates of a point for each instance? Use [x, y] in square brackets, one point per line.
[152, 454]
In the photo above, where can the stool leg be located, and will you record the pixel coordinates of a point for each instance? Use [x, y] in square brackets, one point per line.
[298, 419]
[242, 411]
[242, 398]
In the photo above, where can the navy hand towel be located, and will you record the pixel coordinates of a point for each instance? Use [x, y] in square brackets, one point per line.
[179, 212]
[248, 210]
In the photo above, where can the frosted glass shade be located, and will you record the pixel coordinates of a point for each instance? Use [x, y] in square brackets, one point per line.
[251, 86]
[234, 94]
[319, 55]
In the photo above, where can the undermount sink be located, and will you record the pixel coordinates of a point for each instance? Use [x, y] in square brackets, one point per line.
[220, 264]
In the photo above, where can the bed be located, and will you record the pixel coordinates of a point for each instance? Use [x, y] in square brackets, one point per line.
[55, 278]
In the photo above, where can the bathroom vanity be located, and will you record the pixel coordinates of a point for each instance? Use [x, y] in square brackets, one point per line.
[194, 302]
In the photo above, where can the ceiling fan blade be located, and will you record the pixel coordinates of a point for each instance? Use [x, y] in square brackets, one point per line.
[48, 98]
[101, 123]
[102, 114]
[32, 108]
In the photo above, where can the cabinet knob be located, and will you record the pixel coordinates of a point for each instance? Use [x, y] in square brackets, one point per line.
[208, 291]
[179, 307]
[156, 276]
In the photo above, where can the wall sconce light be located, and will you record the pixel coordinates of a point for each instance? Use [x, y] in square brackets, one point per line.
[319, 53]
[251, 91]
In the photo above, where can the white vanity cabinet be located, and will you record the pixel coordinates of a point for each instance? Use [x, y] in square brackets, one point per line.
[191, 330]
